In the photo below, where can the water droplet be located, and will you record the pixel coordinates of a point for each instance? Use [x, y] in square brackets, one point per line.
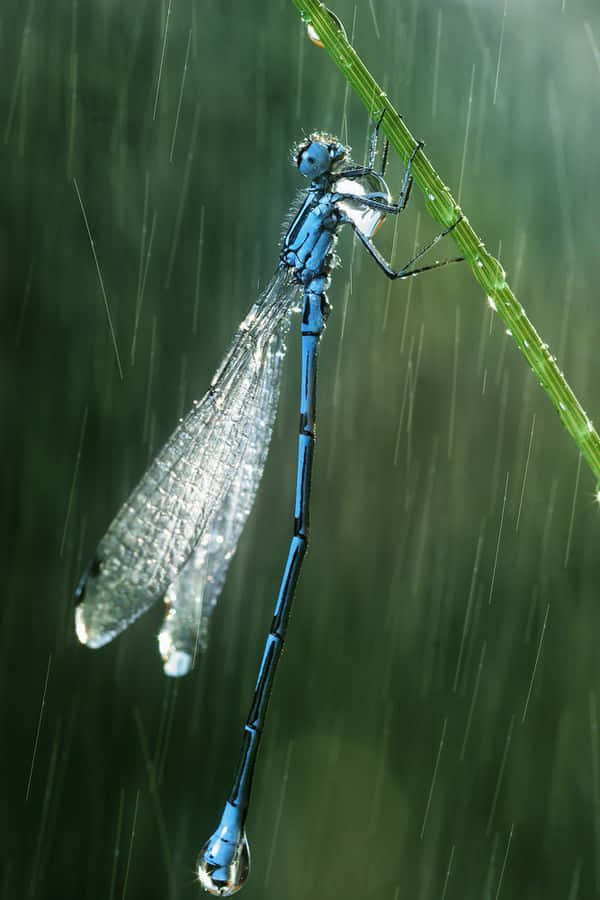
[223, 863]
[492, 303]
[509, 332]
[221, 877]
[81, 628]
[500, 278]
[366, 220]
[310, 29]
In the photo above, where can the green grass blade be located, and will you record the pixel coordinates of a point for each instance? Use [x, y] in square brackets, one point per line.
[445, 210]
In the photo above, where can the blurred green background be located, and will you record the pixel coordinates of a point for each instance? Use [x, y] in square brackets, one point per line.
[434, 727]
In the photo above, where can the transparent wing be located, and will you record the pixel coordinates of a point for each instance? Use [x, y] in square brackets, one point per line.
[195, 492]
[192, 596]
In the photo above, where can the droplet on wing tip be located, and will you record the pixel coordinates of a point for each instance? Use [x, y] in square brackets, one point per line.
[80, 626]
[86, 633]
[178, 663]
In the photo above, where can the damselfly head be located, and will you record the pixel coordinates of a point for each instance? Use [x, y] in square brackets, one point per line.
[319, 155]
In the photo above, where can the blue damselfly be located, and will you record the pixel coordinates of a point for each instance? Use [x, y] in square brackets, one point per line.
[176, 534]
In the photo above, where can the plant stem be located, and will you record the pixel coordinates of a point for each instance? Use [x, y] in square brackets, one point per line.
[445, 210]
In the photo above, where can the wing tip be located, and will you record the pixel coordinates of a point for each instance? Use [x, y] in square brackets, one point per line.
[86, 634]
[178, 663]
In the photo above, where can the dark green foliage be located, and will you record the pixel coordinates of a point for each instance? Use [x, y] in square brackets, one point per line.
[425, 411]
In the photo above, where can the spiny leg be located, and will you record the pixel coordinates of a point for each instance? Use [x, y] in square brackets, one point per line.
[373, 142]
[374, 203]
[407, 178]
[406, 271]
[373, 150]
[406, 183]
[369, 168]
[384, 158]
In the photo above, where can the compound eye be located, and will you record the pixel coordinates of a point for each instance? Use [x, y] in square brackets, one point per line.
[314, 160]
[336, 152]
